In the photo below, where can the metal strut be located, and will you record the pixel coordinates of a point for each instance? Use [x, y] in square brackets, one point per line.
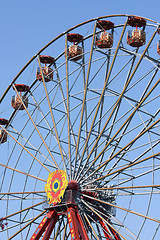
[47, 224]
[77, 228]
[108, 231]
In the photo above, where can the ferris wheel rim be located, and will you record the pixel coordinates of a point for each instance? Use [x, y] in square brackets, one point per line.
[62, 34]
[144, 123]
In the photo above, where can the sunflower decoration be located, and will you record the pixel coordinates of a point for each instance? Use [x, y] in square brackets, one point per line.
[56, 185]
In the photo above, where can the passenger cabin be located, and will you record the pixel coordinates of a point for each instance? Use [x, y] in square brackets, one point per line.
[105, 39]
[136, 37]
[3, 134]
[16, 101]
[46, 70]
[158, 47]
[74, 51]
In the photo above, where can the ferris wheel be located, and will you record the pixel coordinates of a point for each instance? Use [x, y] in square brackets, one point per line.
[80, 136]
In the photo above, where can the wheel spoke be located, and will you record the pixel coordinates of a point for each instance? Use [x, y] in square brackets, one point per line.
[25, 148]
[85, 93]
[28, 224]
[35, 127]
[91, 226]
[51, 113]
[106, 81]
[16, 170]
[146, 130]
[102, 218]
[124, 209]
[126, 85]
[68, 105]
[128, 166]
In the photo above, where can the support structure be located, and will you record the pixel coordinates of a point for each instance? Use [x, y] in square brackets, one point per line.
[69, 207]
[47, 224]
[76, 225]
[108, 231]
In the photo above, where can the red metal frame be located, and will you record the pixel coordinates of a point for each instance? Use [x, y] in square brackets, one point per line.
[78, 229]
[50, 228]
[76, 225]
[107, 230]
[48, 222]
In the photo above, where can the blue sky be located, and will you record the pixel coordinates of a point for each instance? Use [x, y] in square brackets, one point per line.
[26, 26]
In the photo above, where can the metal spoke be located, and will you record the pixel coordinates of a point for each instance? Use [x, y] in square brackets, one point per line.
[24, 148]
[13, 193]
[85, 93]
[128, 166]
[106, 81]
[142, 99]
[131, 233]
[126, 85]
[124, 209]
[68, 106]
[124, 188]
[16, 170]
[27, 225]
[51, 113]
[35, 127]
[32, 147]
[91, 226]
[30, 207]
[146, 130]
[102, 218]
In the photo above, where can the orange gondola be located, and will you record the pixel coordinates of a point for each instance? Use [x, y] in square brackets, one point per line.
[105, 39]
[3, 134]
[16, 100]
[137, 37]
[75, 51]
[47, 71]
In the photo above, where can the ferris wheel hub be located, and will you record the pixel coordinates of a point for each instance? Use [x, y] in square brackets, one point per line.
[73, 185]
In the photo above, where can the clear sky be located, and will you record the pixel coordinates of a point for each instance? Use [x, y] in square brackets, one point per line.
[26, 26]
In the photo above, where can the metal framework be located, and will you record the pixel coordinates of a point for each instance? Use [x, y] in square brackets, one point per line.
[96, 117]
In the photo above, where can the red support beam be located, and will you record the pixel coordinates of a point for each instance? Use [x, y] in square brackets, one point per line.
[107, 230]
[73, 223]
[50, 227]
[44, 224]
[82, 228]
[117, 237]
[77, 228]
